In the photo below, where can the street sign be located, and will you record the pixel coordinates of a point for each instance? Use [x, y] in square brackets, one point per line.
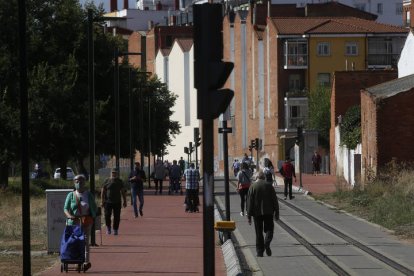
[225, 130]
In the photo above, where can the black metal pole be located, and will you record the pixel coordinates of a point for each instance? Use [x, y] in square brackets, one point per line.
[116, 102]
[208, 192]
[149, 142]
[141, 126]
[24, 117]
[91, 93]
[226, 175]
[196, 155]
[131, 144]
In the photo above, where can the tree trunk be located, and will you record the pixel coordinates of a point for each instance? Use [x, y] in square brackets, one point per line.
[4, 175]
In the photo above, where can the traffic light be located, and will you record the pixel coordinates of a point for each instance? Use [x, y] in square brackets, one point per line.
[210, 72]
[185, 150]
[256, 143]
[250, 148]
[190, 147]
[197, 138]
[253, 144]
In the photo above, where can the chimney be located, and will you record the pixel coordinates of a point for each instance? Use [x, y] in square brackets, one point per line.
[126, 5]
[114, 5]
[177, 5]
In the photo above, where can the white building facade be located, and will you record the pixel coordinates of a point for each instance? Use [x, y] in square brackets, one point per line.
[175, 68]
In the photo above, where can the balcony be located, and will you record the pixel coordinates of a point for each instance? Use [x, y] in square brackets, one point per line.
[296, 54]
[296, 109]
[382, 60]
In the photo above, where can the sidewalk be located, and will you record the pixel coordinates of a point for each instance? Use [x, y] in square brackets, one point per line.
[166, 240]
[312, 184]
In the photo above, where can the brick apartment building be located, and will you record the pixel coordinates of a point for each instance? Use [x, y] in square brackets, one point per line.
[275, 49]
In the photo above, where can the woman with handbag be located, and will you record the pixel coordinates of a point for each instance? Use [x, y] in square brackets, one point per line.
[80, 209]
[243, 184]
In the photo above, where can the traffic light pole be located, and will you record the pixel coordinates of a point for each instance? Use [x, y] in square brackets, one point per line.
[208, 191]
[91, 99]
[226, 175]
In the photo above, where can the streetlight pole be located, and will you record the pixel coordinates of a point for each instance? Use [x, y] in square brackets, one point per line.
[91, 93]
[118, 54]
[131, 144]
[149, 142]
[116, 102]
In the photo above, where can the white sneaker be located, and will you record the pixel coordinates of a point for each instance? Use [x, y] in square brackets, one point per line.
[241, 214]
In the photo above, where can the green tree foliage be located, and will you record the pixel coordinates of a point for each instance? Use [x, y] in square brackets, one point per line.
[351, 127]
[320, 112]
[58, 87]
[9, 73]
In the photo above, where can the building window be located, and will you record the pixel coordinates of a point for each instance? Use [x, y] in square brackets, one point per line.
[324, 79]
[398, 8]
[379, 8]
[295, 83]
[294, 111]
[324, 49]
[351, 49]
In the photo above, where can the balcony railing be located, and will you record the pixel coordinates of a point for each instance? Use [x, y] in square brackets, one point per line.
[382, 60]
[296, 61]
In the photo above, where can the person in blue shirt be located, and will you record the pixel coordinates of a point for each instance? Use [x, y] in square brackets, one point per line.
[136, 180]
[175, 177]
[192, 177]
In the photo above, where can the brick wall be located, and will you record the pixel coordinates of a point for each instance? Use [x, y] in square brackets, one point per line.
[346, 89]
[387, 127]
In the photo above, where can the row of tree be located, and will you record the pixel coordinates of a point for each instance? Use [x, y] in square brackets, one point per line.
[58, 88]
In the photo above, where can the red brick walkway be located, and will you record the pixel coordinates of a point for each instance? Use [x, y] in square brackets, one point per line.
[166, 240]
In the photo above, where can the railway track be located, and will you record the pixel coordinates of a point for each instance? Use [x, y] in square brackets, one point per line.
[335, 264]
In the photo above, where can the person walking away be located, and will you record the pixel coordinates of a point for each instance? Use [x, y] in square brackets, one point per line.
[159, 175]
[136, 179]
[191, 177]
[80, 208]
[288, 172]
[263, 206]
[243, 184]
[181, 162]
[236, 167]
[316, 163]
[175, 176]
[269, 170]
[112, 193]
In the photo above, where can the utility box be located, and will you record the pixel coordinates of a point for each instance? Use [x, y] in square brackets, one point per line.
[56, 219]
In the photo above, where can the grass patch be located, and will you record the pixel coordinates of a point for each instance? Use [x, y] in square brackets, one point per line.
[387, 200]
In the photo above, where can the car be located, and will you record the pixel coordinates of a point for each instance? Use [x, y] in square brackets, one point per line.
[70, 174]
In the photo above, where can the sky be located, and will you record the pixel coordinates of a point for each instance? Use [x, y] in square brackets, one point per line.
[132, 3]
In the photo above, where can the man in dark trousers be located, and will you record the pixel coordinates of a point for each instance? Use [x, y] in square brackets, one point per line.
[137, 179]
[263, 206]
[288, 172]
[111, 193]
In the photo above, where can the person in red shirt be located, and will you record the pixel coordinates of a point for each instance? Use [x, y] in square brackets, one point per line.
[288, 172]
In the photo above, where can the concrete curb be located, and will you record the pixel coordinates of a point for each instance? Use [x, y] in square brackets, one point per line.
[230, 257]
[242, 247]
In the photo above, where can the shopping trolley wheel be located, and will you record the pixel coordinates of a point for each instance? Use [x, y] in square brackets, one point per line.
[61, 268]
